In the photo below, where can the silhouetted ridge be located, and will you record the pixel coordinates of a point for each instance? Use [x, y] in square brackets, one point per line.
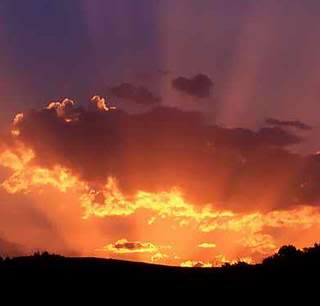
[289, 263]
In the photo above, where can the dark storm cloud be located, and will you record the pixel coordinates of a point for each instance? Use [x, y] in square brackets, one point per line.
[167, 147]
[295, 124]
[138, 94]
[199, 86]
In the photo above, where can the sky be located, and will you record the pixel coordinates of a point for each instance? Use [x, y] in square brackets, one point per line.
[209, 129]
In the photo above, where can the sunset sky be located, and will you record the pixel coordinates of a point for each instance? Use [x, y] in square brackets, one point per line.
[178, 132]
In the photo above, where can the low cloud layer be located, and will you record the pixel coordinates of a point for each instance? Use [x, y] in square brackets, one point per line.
[294, 124]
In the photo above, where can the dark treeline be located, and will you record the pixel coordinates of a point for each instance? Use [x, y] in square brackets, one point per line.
[288, 264]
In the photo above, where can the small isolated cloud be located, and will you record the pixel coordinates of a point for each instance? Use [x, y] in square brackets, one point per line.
[137, 94]
[207, 245]
[200, 86]
[123, 246]
[295, 124]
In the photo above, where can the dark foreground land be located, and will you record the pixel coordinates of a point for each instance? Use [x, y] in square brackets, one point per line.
[288, 264]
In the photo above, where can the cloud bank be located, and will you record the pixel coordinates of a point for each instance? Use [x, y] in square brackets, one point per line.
[167, 170]
[165, 147]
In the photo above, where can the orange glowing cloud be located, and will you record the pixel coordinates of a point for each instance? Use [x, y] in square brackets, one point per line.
[101, 104]
[207, 245]
[16, 121]
[61, 107]
[164, 205]
[26, 176]
[173, 206]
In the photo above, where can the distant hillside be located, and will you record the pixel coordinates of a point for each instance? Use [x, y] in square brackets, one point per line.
[288, 264]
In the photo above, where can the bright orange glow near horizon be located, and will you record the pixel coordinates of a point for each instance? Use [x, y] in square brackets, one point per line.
[166, 228]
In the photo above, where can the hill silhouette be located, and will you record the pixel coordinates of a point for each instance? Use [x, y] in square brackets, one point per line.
[289, 263]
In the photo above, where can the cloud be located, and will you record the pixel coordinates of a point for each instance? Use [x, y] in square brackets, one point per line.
[137, 94]
[200, 86]
[123, 246]
[295, 124]
[166, 147]
[251, 228]
[159, 257]
[207, 245]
